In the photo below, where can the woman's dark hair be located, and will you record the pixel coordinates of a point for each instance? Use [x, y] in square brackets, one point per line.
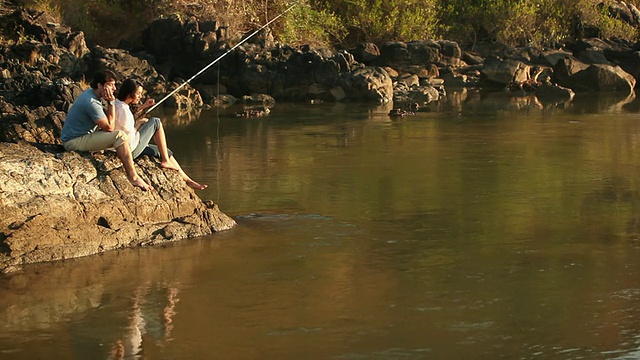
[103, 77]
[127, 88]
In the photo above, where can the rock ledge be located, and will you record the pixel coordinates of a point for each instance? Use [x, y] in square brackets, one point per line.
[57, 205]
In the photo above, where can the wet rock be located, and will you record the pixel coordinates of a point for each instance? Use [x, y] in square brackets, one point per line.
[253, 113]
[400, 113]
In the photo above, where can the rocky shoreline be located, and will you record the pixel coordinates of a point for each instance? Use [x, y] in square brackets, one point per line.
[58, 205]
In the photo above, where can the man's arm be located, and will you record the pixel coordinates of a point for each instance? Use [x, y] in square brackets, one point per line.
[108, 123]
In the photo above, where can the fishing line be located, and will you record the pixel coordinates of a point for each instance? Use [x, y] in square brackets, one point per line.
[219, 58]
[218, 158]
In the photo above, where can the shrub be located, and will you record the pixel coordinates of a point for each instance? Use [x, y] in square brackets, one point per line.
[383, 20]
[304, 25]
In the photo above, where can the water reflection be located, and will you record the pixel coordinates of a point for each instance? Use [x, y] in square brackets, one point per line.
[117, 304]
[151, 317]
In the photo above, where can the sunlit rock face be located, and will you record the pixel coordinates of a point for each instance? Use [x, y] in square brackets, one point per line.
[58, 205]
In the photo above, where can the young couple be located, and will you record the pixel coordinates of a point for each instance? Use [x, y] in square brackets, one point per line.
[91, 127]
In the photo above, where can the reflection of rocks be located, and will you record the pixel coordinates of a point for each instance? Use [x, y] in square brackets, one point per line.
[547, 93]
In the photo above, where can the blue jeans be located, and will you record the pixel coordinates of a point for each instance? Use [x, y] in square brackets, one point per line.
[147, 130]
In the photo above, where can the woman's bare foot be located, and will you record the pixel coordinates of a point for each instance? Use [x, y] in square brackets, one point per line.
[194, 185]
[138, 182]
[168, 165]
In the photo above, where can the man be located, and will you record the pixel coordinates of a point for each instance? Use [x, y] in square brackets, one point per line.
[80, 133]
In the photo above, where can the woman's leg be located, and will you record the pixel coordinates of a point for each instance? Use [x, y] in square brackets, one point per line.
[146, 132]
[153, 128]
[153, 150]
[160, 139]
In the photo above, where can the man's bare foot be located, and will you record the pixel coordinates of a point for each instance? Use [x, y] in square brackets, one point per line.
[168, 165]
[194, 185]
[140, 183]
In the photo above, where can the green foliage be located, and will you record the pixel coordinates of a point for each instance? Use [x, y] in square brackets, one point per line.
[611, 27]
[521, 22]
[304, 25]
[383, 20]
[347, 22]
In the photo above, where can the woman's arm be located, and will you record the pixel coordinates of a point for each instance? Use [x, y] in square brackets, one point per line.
[140, 111]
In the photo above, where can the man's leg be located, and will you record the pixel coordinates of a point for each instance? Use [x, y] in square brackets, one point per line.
[101, 140]
[96, 141]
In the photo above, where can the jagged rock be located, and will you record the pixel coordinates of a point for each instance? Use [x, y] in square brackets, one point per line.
[600, 77]
[67, 204]
[368, 84]
[565, 69]
[420, 95]
[400, 113]
[366, 53]
[502, 72]
[551, 57]
[632, 65]
[253, 113]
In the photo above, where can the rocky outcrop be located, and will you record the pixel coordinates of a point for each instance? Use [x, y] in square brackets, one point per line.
[57, 205]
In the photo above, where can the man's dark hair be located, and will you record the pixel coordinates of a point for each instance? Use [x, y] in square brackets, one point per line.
[103, 77]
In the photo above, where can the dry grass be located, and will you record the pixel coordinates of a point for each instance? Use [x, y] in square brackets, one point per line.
[97, 18]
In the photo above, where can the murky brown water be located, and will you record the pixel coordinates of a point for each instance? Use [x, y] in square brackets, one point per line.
[481, 229]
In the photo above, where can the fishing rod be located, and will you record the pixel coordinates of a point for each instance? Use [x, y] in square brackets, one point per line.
[218, 59]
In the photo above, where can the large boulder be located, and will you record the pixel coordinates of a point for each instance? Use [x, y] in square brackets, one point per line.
[499, 72]
[370, 83]
[401, 54]
[599, 77]
[59, 205]
[366, 53]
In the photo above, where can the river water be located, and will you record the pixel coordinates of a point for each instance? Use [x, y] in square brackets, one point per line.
[484, 227]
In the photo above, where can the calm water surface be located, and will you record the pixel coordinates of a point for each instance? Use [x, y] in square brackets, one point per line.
[482, 228]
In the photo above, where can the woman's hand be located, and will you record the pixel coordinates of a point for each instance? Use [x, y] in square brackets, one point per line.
[147, 104]
[140, 122]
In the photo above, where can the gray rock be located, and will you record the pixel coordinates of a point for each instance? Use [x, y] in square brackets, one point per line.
[600, 77]
[502, 72]
[371, 83]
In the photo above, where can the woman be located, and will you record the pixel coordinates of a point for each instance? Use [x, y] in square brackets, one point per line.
[142, 130]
